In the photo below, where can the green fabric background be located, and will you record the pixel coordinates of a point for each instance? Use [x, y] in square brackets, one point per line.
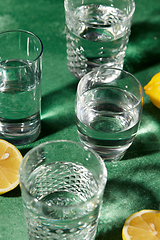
[133, 183]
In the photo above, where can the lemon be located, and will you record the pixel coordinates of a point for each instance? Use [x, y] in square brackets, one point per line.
[142, 225]
[10, 158]
[152, 89]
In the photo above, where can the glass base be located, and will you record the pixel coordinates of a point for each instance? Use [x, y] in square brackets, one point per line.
[20, 134]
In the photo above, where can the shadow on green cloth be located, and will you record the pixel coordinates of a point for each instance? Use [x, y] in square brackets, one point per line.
[16, 192]
[143, 49]
[58, 110]
[147, 141]
[121, 199]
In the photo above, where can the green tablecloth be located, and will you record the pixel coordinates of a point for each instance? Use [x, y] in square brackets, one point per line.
[133, 183]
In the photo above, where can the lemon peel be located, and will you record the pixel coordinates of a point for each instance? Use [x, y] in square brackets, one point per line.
[152, 89]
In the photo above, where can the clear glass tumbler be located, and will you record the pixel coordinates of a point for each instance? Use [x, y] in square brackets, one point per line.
[62, 184]
[97, 32]
[108, 111]
[20, 86]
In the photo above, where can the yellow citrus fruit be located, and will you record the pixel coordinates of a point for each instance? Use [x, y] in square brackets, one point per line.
[143, 225]
[10, 158]
[152, 89]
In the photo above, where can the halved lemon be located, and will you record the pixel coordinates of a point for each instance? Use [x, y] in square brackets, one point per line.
[152, 89]
[142, 225]
[10, 158]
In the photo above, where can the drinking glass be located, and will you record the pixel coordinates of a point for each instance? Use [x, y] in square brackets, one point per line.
[108, 111]
[97, 32]
[20, 86]
[62, 184]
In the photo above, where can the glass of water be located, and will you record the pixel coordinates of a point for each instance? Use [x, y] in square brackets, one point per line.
[108, 111]
[20, 86]
[62, 184]
[97, 32]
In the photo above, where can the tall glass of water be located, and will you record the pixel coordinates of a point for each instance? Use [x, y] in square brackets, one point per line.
[108, 111]
[20, 86]
[62, 184]
[97, 32]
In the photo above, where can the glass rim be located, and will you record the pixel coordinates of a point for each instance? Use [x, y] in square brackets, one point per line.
[129, 16]
[29, 33]
[140, 100]
[103, 179]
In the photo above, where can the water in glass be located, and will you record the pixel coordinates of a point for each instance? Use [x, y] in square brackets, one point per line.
[107, 120]
[63, 187]
[20, 101]
[96, 35]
